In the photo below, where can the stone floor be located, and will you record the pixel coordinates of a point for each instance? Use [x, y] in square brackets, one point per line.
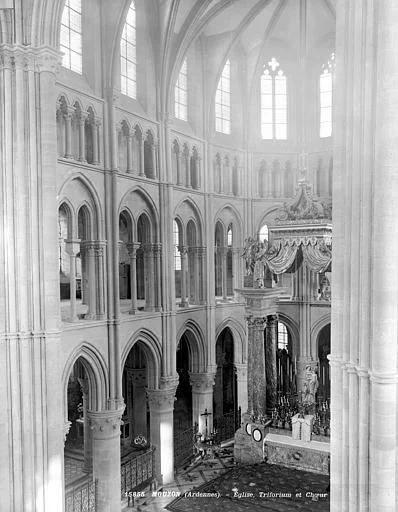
[73, 468]
[222, 474]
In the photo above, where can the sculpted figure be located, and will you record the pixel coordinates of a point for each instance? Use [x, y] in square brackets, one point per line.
[310, 387]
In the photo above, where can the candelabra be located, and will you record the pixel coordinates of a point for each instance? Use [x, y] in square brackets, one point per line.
[289, 405]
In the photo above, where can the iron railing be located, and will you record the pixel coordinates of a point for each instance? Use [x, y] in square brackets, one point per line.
[137, 471]
[226, 425]
[82, 496]
[184, 445]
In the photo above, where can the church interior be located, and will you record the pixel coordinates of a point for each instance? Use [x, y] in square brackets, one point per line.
[198, 252]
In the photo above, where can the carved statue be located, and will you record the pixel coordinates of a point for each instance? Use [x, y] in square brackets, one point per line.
[310, 387]
[254, 254]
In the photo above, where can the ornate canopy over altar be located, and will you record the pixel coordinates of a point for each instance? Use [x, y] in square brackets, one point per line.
[302, 233]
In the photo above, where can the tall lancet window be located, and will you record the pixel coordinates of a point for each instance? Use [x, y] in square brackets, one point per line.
[128, 55]
[273, 102]
[223, 101]
[181, 93]
[71, 35]
[326, 98]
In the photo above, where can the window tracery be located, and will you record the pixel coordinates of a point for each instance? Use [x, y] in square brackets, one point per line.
[223, 101]
[181, 93]
[71, 35]
[326, 98]
[273, 102]
[128, 55]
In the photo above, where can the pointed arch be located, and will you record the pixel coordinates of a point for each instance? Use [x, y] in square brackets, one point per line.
[151, 346]
[196, 344]
[239, 338]
[97, 372]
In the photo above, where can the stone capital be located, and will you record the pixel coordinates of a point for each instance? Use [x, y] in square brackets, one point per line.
[132, 248]
[182, 249]
[137, 376]
[72, 247]
[94, 247]
[271, 320]
[241, 371]
[202, 382]
[48, 60]
[105, 424]
[161, 400]
[257, 323]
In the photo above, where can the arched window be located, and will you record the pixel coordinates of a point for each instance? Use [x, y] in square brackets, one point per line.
[263, 233]
[177, 258]
[282, 336]
[128, 55]
[230, 284]
[176, 239]
[326, 98]
[223, 101]
[273, 102]
[71, 35]
[181, 93]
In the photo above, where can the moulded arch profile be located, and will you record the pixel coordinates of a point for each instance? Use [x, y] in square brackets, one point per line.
[239, 338]
[125, 215]
[219, 234]
[192, 212]
[92, 198]
[96, 370]
[192, 236]
[317, 328]
[85, 222]
[151, 347]
[293, 330]
[196, 345]
[268, 217]
[138, 201]
[180, 227]
[69, 214]
[228, 214]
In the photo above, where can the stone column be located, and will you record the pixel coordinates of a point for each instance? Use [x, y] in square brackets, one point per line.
[129, 140]
[149, 277]
[256, 383]
[178, 160]
[224, 251]
[142, 156]
[72, 248]
[197, 273]
[68, 131]
[236, 262]
[383, 472]
[99, 271]
[187, 168]
[198, 173]
[271, 340]
[95, 134]
[82, 136]
[184, 255]
[89, 251]
[157, 252]
[241, 377]
[202, 274]
[132, 250]
[138, 381]
[105, 426]
[154, 161]
[202, 398]
[161, 406]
